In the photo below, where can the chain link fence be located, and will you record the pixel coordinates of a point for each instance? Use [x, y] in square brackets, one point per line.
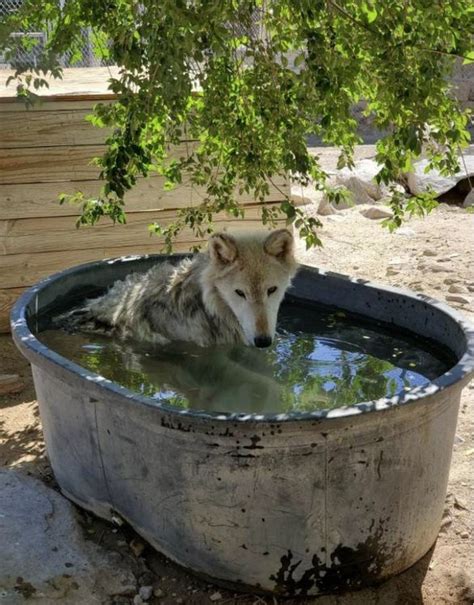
[28, 54]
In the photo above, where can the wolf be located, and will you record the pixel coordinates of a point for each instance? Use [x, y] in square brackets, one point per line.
[229, 294]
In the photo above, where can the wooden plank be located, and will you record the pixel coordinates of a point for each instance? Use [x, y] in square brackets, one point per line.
[7, 300]
[57, 164]
[40, 199]
[26, 269]
[49, 128]
[48, 164]
[54, 103]
[59, 233]
[78, 81]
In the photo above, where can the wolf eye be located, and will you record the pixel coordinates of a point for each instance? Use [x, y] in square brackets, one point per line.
[272, 290]
[240, 293]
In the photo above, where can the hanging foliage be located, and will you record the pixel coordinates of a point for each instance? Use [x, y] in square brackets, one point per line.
[246, 82]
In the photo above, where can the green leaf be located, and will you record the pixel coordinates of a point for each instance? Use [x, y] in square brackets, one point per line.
[468, 58]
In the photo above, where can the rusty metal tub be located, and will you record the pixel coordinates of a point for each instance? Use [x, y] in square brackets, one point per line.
[298, 504]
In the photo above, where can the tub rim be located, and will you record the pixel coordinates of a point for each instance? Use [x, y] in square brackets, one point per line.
[29, 345]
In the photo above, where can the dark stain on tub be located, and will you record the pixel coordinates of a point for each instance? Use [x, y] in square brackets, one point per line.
[350, 568]
[253, 446]
[379, 464]
[169, 424]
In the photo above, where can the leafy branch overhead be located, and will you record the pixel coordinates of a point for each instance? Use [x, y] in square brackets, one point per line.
[245, 82]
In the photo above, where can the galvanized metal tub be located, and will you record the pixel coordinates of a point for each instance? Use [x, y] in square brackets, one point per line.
[298, 504]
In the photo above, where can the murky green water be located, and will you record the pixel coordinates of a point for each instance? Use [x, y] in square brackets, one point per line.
[321, 358]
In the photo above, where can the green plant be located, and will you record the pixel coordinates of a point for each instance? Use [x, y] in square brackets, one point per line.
[198, 70]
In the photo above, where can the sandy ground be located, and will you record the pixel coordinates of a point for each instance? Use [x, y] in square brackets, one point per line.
[434, 256]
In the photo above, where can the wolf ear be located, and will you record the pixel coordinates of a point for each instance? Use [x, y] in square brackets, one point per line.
[279, 244]
[222, 248]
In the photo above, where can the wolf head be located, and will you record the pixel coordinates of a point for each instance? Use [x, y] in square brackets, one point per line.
[250, 272]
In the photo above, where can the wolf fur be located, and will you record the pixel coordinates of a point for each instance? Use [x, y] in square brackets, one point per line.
[229, 294]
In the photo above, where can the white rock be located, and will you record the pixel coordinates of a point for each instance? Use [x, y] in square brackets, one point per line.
[376, 212]
[216, 596]
[405, 231]
[419, 181]
[469, 199]
[146, 592]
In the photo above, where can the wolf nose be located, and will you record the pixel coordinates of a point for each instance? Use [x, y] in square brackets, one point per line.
[262, 341]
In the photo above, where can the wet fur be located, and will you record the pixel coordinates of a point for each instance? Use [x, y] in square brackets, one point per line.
[194, 300]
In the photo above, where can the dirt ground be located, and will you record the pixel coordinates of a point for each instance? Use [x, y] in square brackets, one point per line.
[434, 256]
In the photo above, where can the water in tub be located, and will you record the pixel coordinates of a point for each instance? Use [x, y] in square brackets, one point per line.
[321, 358]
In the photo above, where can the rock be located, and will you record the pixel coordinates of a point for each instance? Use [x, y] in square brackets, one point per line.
[469, 199]
[433, 267]
[429, 252]
[314, 201]
[359, 180]
[455, 289]
[137, 547]
[337, 218]
[459, 504]
[299, 199]
[376, 212]
[358, 191]
[464, 535]
[451, 280]
[392, 271]
[158, 593]
[43, 545]
[146, 592]
[405, 231]
[10, 384]
[419, 181]
[216, 596]
[324, 207]
[457, 298]
[137, 600]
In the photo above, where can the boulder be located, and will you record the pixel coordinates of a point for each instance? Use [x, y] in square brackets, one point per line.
[457, 298]
[44, 555]
[469, 199]
[376, 212]
[419, 181]
[359, 180]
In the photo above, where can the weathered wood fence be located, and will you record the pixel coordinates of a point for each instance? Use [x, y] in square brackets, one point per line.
[47, 150]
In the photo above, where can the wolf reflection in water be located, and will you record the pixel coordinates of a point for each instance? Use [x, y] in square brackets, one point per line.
[320, 359]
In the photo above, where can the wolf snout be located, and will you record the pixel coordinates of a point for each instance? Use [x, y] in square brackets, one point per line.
[262, 341]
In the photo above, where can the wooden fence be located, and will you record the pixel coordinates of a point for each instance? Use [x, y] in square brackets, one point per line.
[46, 151]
